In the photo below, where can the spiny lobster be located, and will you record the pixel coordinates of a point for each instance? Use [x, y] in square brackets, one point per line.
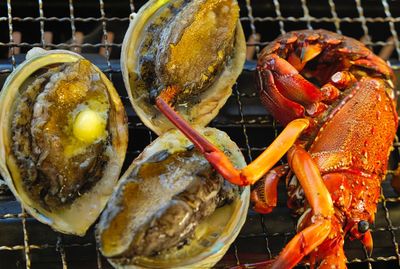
[337, 101]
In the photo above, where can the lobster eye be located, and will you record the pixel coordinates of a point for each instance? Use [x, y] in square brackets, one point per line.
[363, 226]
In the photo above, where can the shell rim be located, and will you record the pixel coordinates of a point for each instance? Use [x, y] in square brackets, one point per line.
[200, 114]
[9, 92]
[221, 245]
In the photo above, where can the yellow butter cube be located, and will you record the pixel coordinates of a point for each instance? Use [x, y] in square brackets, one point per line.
[89, 126]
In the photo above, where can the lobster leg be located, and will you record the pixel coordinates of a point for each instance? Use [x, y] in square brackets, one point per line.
[302, 244]
[367, 241]
[335, 258]
[282, 108]
[264, 195]
[285, 92]
[310, 179]
[321, 203]
[289, 81]
[255, 170]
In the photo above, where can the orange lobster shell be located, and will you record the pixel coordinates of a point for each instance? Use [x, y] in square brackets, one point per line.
[337, 102]
[351, 132]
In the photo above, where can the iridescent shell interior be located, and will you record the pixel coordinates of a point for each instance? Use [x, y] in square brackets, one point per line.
[64, 138]
[196, 46]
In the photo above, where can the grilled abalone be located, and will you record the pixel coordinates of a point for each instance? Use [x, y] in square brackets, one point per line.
[172, 209]
[196, 47]
[63, 138]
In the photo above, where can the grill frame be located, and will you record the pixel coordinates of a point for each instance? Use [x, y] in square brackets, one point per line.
[236, 118]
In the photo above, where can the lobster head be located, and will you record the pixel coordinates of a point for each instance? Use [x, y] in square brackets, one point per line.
[355, 200]
[301, 74]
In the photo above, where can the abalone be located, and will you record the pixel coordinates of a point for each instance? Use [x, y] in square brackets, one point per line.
[63, 138]
[171, 209]
[196, 47]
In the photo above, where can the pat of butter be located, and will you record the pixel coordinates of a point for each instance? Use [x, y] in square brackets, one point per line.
[89, 126]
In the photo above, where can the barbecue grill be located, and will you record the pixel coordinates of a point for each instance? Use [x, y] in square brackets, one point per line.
[96, 28]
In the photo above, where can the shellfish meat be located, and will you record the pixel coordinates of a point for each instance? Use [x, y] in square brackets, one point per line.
[63, 138]
[197, 47]
[171, 208]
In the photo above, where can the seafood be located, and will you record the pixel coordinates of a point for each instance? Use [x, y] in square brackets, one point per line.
[195, 46]
[171, 209]
[337, 101]
[63, 138]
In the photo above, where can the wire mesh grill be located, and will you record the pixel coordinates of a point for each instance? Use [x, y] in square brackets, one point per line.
[65, 24]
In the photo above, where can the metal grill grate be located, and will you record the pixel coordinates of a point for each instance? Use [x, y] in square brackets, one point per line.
[25, 243]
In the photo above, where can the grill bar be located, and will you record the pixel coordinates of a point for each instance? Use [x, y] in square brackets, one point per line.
[105, 35]
[98, 258]
[335, 16]
[309, 18]
[132, 6]
[10, 31]
[306, 13]
[63, 19]
[252, 26]
[26, 240]
[360, 10]
[42, 35]
[390, 228]
[278, 14]
[73, 28]
[392, 27]
[244, 132]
